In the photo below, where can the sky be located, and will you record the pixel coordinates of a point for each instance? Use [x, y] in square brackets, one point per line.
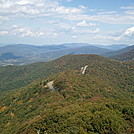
[41, 22]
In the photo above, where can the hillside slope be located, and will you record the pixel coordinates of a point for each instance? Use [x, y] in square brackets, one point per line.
[13, 77]
[118, 52]
[125, 56]
[98, 101]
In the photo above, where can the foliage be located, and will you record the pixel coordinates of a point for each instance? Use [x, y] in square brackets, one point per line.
[125, 56]
[13, 77]
[98, 102]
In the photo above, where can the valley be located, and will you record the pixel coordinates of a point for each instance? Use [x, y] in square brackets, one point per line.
[23, 54]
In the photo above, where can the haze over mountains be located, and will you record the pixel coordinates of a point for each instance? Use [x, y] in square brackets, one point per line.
[118, 52]
[21, 54]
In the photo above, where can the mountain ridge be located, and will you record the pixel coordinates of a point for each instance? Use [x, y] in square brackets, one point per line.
[124, 56]
[31, 54]
[98, 101]
[121, 51]
[18, 76]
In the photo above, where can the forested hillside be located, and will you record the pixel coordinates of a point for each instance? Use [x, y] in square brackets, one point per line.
[125, 56]
[100, 101]
[13, 77]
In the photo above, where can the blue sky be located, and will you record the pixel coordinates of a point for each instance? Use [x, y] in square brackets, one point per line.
[41, 22]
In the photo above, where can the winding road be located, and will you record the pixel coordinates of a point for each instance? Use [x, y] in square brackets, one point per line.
[50, 86]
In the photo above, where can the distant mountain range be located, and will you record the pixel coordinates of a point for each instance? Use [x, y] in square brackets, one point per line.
[24, 49]
[113, 47]
[118, 52]
[8, 56]
[20, 54]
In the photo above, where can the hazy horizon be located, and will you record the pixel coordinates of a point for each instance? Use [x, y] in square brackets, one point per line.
[1, 45]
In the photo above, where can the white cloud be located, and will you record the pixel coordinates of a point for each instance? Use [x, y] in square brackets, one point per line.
[69, 0]
[127, 7]
[50, 19]
[4, 32]
[20, 31]
[35, 8]
[93, 10]
[131, 12]
[14, 26]
[74, 36]
[3, 18]
[109, 12]
[109, 19]
[41, 8]
[64, 10]
[26, 32]
[85, 24]
[97, 30]
[66, 26]
[129, 32]
[86, 31]
[107, 37]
